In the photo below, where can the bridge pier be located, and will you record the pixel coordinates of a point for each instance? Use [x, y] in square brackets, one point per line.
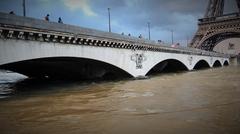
[235, 60]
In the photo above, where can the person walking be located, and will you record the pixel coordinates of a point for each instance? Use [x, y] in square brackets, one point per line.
[60, 20]
[12, 13]
[47, 17]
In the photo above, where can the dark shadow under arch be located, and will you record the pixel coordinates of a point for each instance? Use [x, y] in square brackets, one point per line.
[202, 64]
[217, 63]
[66, 68]
[226, 63]
[166, 66]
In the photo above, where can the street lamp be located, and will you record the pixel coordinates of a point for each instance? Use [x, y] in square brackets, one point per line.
[24, 8]
[149, 32]
[187, 40]
[109, 20]
[172, 36]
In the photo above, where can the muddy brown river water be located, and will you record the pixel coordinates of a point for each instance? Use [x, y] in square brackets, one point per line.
[196, 102]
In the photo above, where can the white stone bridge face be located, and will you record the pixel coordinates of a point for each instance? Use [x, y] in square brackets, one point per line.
[37, 49]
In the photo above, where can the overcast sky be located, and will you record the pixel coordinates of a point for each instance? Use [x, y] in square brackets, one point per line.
[128, 16]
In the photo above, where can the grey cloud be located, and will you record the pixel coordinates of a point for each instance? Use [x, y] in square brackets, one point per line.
[159, 12]
[180, 15]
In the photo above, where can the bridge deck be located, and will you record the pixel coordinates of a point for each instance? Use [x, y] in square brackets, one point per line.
[12, 26]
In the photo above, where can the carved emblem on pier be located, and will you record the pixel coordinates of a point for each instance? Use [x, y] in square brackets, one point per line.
[139, 59]
[190, 59]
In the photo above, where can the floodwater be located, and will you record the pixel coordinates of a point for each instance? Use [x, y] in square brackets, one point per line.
[197, 102]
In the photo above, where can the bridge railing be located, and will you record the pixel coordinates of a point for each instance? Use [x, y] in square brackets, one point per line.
[25, 28]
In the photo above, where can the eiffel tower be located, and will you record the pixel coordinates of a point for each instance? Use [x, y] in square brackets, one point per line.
[216, 26]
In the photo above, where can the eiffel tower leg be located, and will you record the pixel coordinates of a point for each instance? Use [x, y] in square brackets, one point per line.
[208, 9]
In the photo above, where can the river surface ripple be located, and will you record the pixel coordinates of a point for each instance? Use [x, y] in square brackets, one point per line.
[196, 102]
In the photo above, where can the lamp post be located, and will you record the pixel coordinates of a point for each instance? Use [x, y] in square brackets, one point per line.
[187, 40]
[149, 32]
[24, 8]
[172, 36]
[109, 20]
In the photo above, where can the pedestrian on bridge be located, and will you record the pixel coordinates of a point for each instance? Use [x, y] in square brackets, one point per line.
[12, 13]
[60, 20]
[47, 17]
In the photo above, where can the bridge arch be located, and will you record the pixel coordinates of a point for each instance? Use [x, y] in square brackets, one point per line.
[66, 67]
[201, 64]
[226, 63]
[217, 63]
[168, 65]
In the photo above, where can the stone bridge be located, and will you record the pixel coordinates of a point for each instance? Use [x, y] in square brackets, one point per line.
[37, 48]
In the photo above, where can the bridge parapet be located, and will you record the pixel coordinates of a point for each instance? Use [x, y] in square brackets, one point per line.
[24, 28]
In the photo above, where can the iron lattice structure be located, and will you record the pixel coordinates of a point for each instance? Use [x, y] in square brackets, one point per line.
[215, 26]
